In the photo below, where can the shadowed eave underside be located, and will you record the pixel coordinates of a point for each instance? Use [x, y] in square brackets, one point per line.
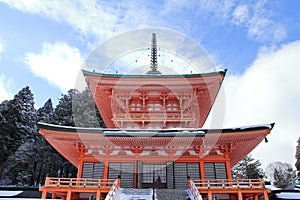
[241, 139]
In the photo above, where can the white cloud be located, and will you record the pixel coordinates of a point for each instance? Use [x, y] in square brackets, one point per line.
[103, 20]
[221, 9]
[1, 50]
[255, 16]
[215, 12]
[58, 63]
[4, 93]
[263, 29]
[269, 91]
[259, 22]
[99, 19]
[240, 14]
[88, 17]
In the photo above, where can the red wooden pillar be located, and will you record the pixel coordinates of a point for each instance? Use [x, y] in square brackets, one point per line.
[240, 195]
[266, 196]
[44, 194]
[80, 166]
[69, 194]
[228, 167]
[134, 174]
[105, 173]
[53, 196]
[202, 171]
[209, 195]
[98, 195]
[228, 171]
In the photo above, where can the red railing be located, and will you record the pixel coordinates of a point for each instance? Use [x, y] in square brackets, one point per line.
[113, 190]
[193, 190]
[79, 182]
[227, 183]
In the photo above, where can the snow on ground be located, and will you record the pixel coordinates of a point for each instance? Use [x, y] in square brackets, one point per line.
[8, 198]
[272, 187]
[4, 193]
[288, 195]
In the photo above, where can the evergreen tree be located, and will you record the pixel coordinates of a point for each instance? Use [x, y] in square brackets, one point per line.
[18, 128]
[85, 112]
[63, 113]
[23, 108]
[248, 168]
[297, 164]
[51, 162]
[26, 157]
[5, 137]
[45, 151]
[281, 174]
[46, 113]
[22, 164]
[3, 110]
[77, 109]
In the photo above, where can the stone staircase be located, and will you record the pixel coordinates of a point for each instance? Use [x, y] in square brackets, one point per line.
[147, 194]
[171, 194]
[134, 194]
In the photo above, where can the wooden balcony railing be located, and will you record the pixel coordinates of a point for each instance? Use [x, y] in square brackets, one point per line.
[154, 118]
[79, 182]
[227, 183]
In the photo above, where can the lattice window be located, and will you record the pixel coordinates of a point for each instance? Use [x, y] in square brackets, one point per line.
[154, 173]
[215, 170]
[183, 170]
[125, 170]
[92, 170]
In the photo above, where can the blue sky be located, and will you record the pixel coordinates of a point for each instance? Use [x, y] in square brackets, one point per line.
[43, 44]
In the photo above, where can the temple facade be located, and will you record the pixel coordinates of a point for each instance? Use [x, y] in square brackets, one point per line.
[154, 139]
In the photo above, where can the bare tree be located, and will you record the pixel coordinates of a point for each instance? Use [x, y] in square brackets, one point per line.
[281, 174]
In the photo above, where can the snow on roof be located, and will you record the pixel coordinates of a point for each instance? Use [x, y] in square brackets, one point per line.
[99, 74]
[96, 130]
[177, 133]
[269, 126]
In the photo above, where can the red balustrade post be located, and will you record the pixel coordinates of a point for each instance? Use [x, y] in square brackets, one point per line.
[44, 194]
[58, 182]
[47, 181]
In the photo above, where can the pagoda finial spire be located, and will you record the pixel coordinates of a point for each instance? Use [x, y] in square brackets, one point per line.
[153, 56]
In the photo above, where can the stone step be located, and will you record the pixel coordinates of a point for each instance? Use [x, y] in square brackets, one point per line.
[134, 194]
[171, 194]
[147, 194]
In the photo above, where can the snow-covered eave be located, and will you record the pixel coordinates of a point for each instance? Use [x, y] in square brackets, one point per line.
[99, 74]
[177, 131]
[259, 126]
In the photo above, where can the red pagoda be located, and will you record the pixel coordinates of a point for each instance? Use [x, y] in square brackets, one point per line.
[154, 139]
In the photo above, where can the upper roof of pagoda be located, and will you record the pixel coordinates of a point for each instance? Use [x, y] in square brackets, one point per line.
[107, 144]
[154, 100]
[149, 76]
